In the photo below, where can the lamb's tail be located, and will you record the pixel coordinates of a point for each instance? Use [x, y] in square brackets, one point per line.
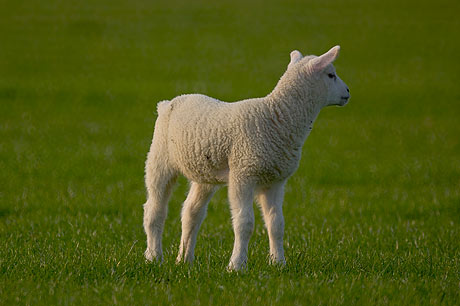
[164, 107]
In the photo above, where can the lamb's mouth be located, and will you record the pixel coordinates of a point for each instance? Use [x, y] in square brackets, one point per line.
[344, 100]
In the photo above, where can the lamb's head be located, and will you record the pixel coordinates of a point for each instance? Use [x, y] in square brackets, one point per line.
[321, 77]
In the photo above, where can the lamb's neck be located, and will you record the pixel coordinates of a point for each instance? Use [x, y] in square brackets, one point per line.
[293, 109]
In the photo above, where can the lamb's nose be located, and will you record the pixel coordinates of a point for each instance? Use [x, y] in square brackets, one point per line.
[348, 90]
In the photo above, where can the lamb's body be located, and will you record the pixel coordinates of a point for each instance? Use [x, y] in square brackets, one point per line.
[252, 145]
[206, 138]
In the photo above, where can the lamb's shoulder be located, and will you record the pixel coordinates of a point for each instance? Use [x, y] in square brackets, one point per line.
[263, 149]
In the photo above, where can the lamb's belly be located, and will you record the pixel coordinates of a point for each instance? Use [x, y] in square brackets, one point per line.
[276, 172]
[213, 176]
[201, 165]
[204, 173]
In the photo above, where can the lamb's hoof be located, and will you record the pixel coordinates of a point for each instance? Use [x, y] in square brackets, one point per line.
[278, 262]
[236, 266]
[181, 259]
[231, 268]
[151, 256]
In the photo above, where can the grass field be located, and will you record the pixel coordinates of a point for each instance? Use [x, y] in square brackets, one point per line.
[372, 214]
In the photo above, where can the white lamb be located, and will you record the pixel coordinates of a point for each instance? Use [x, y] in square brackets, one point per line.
[253, 145]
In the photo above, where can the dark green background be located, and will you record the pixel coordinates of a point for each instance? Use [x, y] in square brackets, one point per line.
[372, 214]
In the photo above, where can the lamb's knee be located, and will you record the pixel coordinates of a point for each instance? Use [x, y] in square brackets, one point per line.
[275, 221]
[244, 225]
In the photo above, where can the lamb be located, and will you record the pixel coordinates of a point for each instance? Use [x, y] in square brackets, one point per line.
[253, 146]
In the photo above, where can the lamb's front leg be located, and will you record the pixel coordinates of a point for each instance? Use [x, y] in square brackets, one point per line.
[271, 201]
[241, 196]
[193, 214]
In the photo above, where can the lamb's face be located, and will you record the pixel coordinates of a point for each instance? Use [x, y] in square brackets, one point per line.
[337, 91]
[321, 75]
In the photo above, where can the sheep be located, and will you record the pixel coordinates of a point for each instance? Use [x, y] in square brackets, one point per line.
[253, 146]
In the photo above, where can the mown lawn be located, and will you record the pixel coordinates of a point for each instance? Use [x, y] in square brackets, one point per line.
[372, 214]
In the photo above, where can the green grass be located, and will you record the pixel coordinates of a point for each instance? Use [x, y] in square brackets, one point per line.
[372, 214]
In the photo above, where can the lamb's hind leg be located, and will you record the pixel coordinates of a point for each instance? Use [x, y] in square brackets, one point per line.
[160, 181]
[271, 201]
[193, 214]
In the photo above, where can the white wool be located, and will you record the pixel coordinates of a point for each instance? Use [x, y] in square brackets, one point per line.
[252, 145]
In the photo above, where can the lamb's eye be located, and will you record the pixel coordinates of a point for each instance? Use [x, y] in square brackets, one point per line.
[331, 75]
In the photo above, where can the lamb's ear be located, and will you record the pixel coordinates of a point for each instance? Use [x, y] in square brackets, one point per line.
[295, 57]
[321, 62]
